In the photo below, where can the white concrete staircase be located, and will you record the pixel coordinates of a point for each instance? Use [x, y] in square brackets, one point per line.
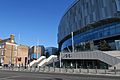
[115, 54]
[32, 63]
[40, 59]
[36, 62]
[48, 60]
[42, 63]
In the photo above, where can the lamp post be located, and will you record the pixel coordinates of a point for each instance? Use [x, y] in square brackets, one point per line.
[60, 59]
[72, 42]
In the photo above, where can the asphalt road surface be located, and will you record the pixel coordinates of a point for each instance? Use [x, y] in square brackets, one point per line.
[12, 75]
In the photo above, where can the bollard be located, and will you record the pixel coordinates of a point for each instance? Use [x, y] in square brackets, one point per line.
[48, 68]
[115, 70]
[80, 69]
[87, 69]
[8, 68]
[43, 68]
[39, 69]
[3, 68]
[35, 69]
[18, 68]
[54, 69]
[30, 68]
[27, 69]
[11, 67]
[105, 69]
[65, 69]
[23, 68]
[96, 69]
[60, 69]
[72, 70]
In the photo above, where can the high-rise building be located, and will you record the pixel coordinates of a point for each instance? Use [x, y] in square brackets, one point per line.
[36, 51]
[51, 51]
[90, 25]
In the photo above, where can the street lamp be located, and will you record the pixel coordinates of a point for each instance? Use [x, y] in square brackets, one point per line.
[60, 60]
[72, 42]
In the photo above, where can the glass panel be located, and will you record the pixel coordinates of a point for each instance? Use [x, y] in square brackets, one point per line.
[100, 32]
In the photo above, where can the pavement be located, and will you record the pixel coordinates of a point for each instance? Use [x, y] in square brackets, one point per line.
[15, 75]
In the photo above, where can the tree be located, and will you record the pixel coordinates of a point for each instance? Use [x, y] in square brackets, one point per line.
[104, 46]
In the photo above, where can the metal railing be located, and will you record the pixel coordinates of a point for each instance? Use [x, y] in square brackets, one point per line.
[80, 70]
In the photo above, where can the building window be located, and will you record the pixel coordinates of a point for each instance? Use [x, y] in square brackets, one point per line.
[19, 59]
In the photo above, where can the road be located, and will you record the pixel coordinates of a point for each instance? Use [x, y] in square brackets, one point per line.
[12, 75]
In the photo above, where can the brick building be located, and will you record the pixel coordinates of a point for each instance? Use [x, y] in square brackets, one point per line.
[22, 55]
[11, 53]
[8, 50]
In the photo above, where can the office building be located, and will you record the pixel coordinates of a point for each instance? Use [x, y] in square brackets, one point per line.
[51, 51]
[36, 51]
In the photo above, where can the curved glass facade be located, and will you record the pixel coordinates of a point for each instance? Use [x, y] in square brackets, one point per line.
[101, 32]
[87, 12]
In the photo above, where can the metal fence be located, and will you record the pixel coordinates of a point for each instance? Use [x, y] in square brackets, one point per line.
[64, 70]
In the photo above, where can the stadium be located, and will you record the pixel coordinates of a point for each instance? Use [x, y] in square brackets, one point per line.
[89, 34]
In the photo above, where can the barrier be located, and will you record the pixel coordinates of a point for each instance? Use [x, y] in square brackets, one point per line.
[113, 71]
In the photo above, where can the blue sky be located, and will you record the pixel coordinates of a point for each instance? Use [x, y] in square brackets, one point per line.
[35, 20]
